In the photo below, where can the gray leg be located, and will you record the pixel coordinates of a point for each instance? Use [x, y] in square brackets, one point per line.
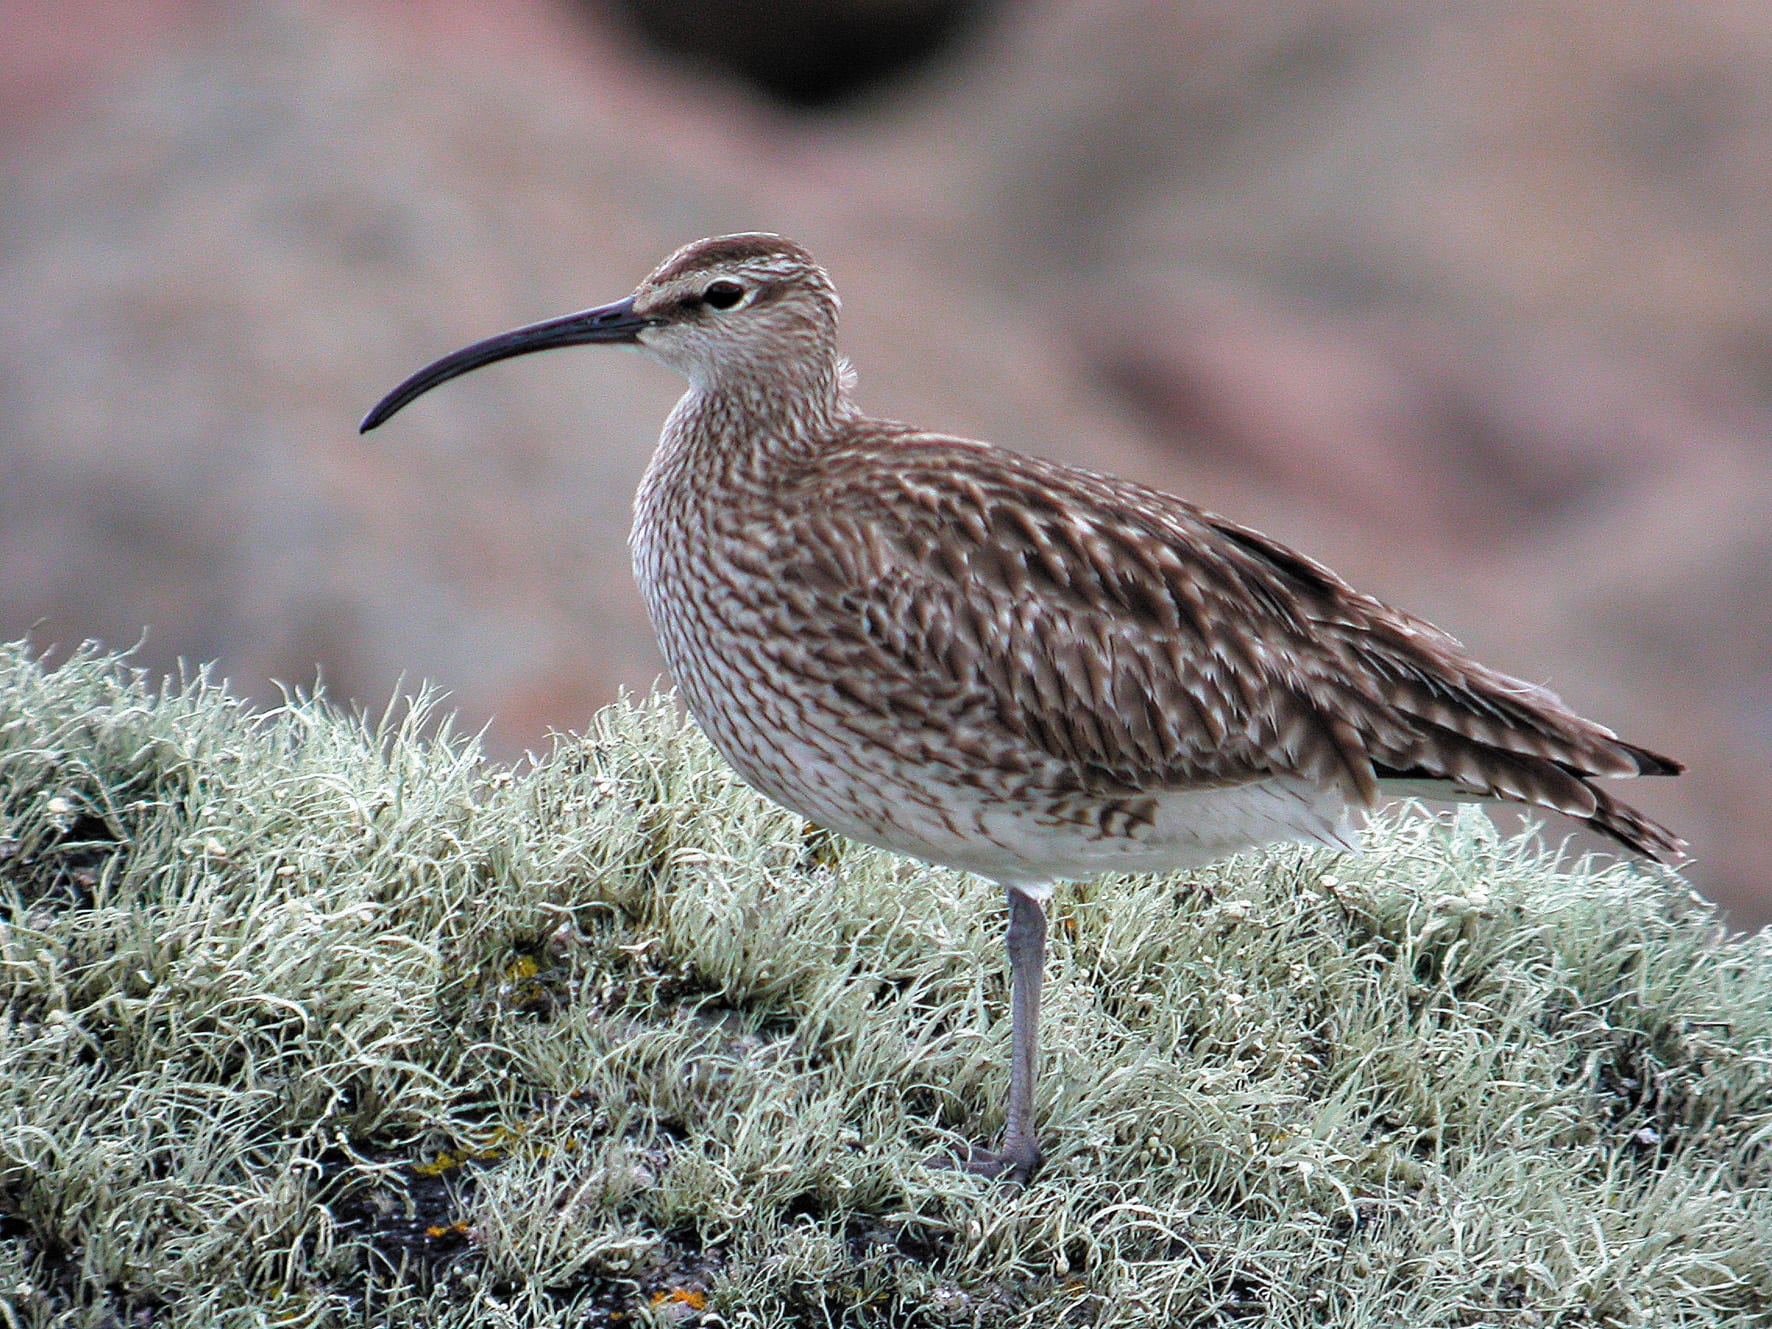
[1020, 1155]
[1027, 965]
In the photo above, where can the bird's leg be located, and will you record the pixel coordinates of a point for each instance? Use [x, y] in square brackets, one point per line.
[1020, 1154]
[1027, 966]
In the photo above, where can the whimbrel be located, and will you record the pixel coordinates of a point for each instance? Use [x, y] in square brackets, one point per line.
[1017, 668]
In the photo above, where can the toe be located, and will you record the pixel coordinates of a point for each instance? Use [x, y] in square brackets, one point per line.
[1014, 1164]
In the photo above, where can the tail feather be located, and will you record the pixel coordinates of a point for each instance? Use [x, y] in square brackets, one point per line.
[1651, 763]
[1636, 832]
[1444, 764]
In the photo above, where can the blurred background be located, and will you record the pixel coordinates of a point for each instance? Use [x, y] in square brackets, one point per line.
[1471, 300]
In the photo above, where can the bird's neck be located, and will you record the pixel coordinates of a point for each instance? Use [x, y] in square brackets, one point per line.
[739, 429]
[723, 454]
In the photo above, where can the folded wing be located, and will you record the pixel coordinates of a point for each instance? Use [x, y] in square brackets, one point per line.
[1145, 644]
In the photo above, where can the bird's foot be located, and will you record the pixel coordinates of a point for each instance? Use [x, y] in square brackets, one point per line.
[1015, 1163]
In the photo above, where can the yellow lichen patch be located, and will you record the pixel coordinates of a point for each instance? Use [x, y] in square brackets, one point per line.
[437, 1166]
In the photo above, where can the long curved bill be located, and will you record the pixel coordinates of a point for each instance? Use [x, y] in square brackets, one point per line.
[616, 323]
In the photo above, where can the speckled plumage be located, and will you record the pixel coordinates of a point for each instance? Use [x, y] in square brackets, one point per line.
[1014, 667]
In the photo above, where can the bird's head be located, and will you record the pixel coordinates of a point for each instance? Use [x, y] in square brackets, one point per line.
[727, 311]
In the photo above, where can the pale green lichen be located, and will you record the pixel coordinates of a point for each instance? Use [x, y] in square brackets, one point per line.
[312, 1019]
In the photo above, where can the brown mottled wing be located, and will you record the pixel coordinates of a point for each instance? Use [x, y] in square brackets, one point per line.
[1145, 644]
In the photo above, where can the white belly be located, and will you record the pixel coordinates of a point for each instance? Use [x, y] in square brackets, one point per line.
[1022, 847]
[1028, 843]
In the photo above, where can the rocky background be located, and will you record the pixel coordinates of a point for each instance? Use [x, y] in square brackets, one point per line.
[1472, 300]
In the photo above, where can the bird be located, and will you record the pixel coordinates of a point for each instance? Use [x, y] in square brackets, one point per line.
[1017, 668]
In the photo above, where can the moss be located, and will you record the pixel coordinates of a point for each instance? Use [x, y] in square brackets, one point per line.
[317, 1019]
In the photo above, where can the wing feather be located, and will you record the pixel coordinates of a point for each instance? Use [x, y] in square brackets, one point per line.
[1146, 644]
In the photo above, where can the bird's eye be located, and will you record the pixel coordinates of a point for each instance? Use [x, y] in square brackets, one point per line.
[723, 294]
